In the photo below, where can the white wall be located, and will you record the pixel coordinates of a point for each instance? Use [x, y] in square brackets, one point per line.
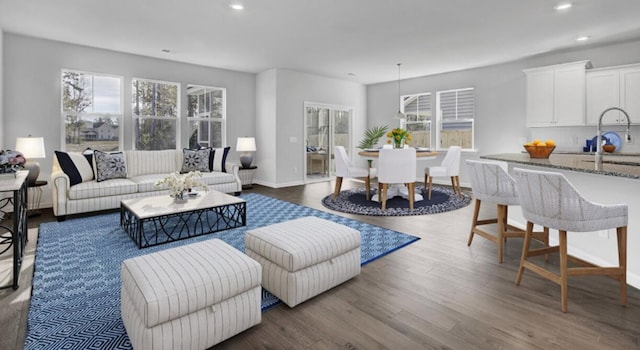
[500, 91]
[32, 105]
[501, 97]
[266, 117]
[2, 131]
[292, 90]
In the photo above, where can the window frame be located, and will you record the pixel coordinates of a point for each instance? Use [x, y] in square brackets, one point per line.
[440, 122]
[177, 118]
[404, 123]
[208, 115]
[64, 113]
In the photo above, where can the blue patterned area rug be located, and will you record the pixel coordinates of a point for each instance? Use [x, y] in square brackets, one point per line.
[354, 201]
[75, 302]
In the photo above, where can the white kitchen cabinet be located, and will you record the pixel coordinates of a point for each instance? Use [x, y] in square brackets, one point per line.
[630, 92]
[613, 87]
[556, 95]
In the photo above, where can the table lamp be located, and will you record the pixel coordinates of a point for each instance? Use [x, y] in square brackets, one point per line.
[31, 148]
[246, 145]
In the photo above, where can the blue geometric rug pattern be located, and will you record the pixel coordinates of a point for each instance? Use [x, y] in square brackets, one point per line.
[75, 302]
[354, 201]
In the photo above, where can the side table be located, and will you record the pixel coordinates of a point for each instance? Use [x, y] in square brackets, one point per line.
[246, 176]
[35, 195]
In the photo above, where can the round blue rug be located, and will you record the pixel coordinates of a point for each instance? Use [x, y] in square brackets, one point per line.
[354, 201]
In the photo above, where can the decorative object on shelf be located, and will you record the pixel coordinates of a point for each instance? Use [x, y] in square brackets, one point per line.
[399, 114]
[180, 185]
[398, 137]
[246, 145]
[10, 163]
[32, 148]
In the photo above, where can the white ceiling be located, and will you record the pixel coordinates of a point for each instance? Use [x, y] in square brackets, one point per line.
[328, 37]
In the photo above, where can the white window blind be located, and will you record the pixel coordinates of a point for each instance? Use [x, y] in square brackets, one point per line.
[457, 104]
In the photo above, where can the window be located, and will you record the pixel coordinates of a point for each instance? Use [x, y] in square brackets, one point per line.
[156, 114]
[206, 113]
[417, 109]
[91, 111]
[456, 117]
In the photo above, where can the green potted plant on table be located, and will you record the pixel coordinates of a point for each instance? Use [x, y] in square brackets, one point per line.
[371, 137]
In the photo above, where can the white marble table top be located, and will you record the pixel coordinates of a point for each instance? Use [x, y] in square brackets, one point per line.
[149, 207]
[13, 184]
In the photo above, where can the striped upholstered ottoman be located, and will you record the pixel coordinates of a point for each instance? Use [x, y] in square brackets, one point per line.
[304, 257]
[189, 297]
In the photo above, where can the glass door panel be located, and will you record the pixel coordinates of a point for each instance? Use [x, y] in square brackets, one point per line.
[326, 126]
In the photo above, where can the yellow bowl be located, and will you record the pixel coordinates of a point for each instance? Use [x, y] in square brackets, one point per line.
[539, 151]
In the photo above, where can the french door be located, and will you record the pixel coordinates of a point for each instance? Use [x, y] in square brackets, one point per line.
[326, 126]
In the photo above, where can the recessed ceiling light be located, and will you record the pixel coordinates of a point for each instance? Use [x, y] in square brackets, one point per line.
[166, 50]
[582, 38]
[236, 6]
[563, 6]
[351, 74]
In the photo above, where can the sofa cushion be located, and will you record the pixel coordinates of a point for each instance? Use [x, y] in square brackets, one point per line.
[153, 162]
[195, 160]
[76, 166]
[94, 189]
[216, 177]
[147, 183]
[218, 158]
[110, 165]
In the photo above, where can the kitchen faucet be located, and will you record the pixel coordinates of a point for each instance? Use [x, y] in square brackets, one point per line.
[627, 134]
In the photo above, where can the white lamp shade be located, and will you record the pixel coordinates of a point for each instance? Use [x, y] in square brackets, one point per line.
[246, 144]
[31, 147]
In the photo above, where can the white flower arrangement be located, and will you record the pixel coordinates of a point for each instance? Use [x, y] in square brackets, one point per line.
[179, 183]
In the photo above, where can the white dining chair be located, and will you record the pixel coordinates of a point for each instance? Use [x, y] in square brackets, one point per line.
[549, 199]
[345, 170]
[492, 184]
[450, 167]
[396, 166]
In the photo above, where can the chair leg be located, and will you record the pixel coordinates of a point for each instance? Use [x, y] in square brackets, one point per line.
[336, 191]
[430, 185]
[525, 251]
[562, 236]
[502, 228]
[474, 221]
[367, 184]
[412, 191]
[622, 262]
[458, 186]
[546, 241]
[383, 196]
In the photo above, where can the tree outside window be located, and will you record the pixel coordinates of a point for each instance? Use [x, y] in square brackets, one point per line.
[91, 111]
[155, 114]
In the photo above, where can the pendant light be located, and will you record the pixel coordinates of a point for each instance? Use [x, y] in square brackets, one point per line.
[399, 114]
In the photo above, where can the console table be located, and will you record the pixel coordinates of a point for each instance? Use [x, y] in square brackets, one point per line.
[16, 236]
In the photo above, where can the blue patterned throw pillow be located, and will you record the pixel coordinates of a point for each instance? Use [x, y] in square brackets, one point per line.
[110, 165]
[195, 160]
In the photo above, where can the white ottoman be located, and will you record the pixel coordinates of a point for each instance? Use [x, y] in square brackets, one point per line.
[189, 297]
[304, 257]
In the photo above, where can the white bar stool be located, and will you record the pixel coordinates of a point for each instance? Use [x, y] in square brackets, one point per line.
[549, 199]
[490, 182]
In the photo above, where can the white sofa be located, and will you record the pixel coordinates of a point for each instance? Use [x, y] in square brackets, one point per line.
[143, 169]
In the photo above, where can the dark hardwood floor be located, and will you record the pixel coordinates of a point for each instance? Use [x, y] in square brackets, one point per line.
[436, 293]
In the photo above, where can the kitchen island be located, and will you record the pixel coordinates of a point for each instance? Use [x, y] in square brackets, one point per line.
[614, 164]
[616, 182]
